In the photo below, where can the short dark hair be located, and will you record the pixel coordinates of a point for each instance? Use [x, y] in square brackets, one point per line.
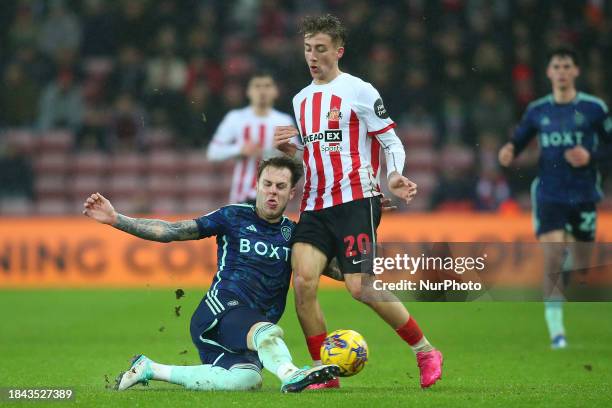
[282, 162]
[261, 74]
[326, 24]
[564, 52]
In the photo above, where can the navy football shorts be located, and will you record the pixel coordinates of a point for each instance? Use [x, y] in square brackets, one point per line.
[219, 327]
[579, 219]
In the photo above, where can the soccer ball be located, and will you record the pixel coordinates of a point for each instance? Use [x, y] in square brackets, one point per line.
[347, 349]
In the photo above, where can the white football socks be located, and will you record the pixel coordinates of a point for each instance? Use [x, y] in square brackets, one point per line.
[273, 352]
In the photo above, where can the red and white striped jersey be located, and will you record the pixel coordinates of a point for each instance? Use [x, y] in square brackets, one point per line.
[338, 124]
[238, 127]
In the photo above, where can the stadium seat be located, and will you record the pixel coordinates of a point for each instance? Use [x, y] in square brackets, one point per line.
[196, 161]
[167, 162]
[22, 141]
[161, 186]
[421, 159]
[166, 205]
[426, 182]
[94, 163]
[82, 185]
[49, 186]
[456, 157]
[55, 141]
[51, 164]
[127, 163]
[21, 206]
[418, 137]
[126, 185]
[158, 138]
[199, 205]
[53, 206]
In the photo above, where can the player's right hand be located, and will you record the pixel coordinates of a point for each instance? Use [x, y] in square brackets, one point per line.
[283, 136]
[100, 209]
[506, 154]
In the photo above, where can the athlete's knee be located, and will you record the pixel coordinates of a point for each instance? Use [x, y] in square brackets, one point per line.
[245, 379]
[305, 285]
[353, 285]
[195, 331]
[307, 262]
[266, 334]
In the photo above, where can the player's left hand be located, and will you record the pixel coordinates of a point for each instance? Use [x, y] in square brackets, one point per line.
[401, 187]
[577, 156]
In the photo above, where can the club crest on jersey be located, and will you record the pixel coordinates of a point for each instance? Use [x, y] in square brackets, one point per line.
[334, 115]
[579, 119]
[286, 233]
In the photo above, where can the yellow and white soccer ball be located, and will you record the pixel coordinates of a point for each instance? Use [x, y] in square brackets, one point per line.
[347, 349]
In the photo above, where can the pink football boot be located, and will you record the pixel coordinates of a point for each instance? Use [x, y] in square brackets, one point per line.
[430, 365]
[335, 383]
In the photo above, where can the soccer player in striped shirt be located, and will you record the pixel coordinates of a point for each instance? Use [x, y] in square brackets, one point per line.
[247, 135]
[574, 133]
[343, 126]
[234, 327]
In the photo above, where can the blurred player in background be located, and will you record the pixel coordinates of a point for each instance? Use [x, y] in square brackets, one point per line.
[571, 127]
[343, 126]
[234, 327]
[247, 135]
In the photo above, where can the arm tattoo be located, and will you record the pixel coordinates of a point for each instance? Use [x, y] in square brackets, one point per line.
[158, 230]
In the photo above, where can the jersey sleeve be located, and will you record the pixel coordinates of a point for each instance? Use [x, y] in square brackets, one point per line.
[213, 223]
[524, 132]
[372, 111]
[226, 141]
[604, 131]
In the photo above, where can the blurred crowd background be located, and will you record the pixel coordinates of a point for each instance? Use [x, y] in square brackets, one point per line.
[123, 96]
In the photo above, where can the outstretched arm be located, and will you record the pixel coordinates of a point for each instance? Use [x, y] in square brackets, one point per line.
[101, 210]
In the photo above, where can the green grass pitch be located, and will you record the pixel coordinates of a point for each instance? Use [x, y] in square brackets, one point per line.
[496, 354]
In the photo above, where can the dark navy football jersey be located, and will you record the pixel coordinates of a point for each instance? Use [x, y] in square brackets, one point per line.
[559, 127]
[253, 258]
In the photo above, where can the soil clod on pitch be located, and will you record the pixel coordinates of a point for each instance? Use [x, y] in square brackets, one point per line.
[108, 384]
[179, 293]
[177, 311]
[588, 367]
[161, 329]
[183, 352]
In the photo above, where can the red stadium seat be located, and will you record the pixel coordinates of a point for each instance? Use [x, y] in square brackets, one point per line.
[200, 205]
[55, 141]
[94, 163]
[53, 206]
[196, 161]
[167, 162]
[21, 141]
[51, 164]
[160, 186]
[418, 137]
[456, 157]
[127, 163]
[158, 138]
[421, 159]
[166, 206]
[49, 186]
[126, 185]
[82, 185]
